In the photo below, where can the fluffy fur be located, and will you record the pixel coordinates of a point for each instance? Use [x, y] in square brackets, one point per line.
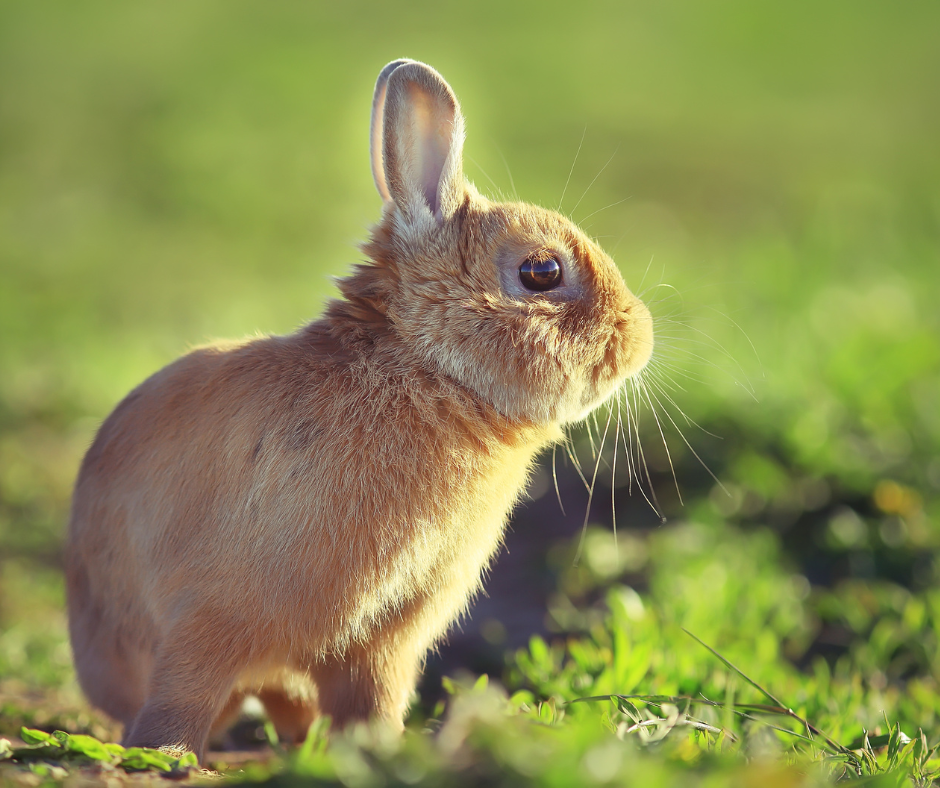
[303, 517]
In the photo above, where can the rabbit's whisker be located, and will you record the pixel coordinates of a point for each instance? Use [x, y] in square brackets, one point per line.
[652, 396]
[572, 455]
[659, 426]
[590, 434]
[497, 190]
[571, 171]
[658, 386]
[627, 434]
[512, 183]
[674, 292]
[599, 210]
[555, 481]
[587, 508]
[678, 345]
[637, 453]
[613, 483]
[601, 172]
[598, 430]
[613, 250]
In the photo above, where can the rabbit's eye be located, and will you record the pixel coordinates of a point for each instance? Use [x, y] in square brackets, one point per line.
[540, 273]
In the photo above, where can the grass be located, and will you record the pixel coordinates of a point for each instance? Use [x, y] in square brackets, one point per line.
[765, 176]
[710, 721]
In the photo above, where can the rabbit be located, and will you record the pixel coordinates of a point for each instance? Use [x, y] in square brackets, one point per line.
[302, 517]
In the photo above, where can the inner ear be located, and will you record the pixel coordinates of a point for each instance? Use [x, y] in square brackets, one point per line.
[434, 133]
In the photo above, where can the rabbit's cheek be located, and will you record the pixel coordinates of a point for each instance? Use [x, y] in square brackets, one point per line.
[634, 342]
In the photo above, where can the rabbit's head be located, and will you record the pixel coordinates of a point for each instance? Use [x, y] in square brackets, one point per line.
[510, 300]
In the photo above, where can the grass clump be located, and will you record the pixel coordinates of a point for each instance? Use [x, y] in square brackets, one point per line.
[53, 754]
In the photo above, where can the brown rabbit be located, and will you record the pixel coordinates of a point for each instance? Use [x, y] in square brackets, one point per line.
[301, 518]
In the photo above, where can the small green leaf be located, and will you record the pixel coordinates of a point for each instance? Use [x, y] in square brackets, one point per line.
[88, 747]
[865, 741]
[188, 761]
[539, 650]
[920, 748]
[625, 707]
[33, 736]
[142, 759]
[546, 711]
[897, 740]
[521, 698]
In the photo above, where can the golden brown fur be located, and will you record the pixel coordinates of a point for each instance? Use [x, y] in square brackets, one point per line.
[302, 517]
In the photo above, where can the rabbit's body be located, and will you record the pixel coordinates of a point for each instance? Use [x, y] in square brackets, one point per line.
[355, 559]
[302, 517]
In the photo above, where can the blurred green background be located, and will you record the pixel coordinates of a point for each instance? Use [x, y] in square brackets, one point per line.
[767, 175]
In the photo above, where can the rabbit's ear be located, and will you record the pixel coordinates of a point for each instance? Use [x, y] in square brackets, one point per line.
[377, 127]
[422, 141]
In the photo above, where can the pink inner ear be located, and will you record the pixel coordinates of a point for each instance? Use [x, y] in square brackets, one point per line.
[434, 128]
